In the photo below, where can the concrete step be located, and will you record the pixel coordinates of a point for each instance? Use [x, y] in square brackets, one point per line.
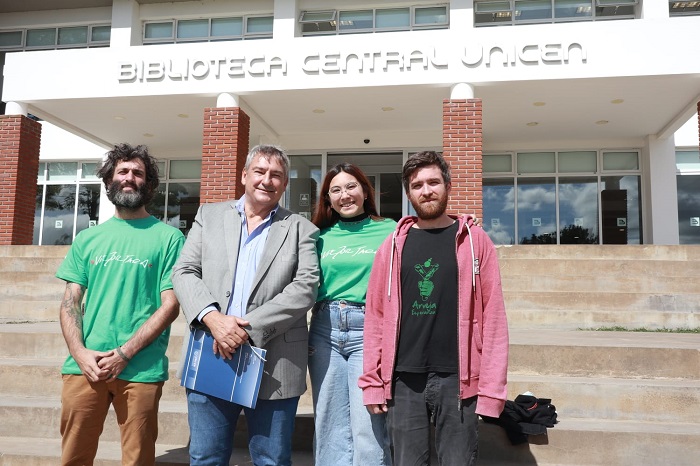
[533, 351]
[602, 252]
[621, 301]
[22, 451]
[575, 319]
[571, 353]
[663, 400]
[648, 269]
[571, 442]
[645, 400]
[48, 265]
[630, 282]
[39, 417]
[34, 251]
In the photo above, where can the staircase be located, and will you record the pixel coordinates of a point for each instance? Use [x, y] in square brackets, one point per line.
[623, 398]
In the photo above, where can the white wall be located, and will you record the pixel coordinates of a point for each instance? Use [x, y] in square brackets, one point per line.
[688, 135]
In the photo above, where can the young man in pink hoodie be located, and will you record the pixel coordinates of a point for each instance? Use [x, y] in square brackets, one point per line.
[436, 336]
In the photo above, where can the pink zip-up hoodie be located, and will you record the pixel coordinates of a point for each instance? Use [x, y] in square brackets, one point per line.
[482, 329]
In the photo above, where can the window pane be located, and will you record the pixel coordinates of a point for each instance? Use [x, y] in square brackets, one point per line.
[159, 30]
[196, 28]
[432, 15]
[580, 161]
[499, 211]
[389, 195]
[356, 20]
[393, 18]
[537, 211]
[526, 10]
[37, 213]
[304, 184]
[42, 172]
[185, 169]
[226, 27]
[157, 205]
[620, 161]
[498, 163]
[183, 202]
[11, 39]
[259, 25]
[89, 171]
[101, 33]
[491, 7]
[41, 37]
[315, 16]
[536, 162]
[60, 171]
[72, 36]
[688, 208]
[621, 210]
[578, 210]
[572, 8]
[688, 160]
[58, 214]
[161, 170]
[88, 207]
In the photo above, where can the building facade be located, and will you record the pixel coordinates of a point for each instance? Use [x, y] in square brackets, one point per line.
[560, 118]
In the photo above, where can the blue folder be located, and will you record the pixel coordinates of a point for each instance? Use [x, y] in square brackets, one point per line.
[236, 380]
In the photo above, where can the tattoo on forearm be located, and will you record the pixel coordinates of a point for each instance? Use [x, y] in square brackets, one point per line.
[71, 304]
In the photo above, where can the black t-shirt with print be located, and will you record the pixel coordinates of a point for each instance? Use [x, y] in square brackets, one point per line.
[428, 335]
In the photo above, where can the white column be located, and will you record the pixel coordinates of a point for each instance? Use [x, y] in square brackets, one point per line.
[462, 91]
[653, 9]
[661, 197]
[224, 100]
[461, 15]
[126, 24]
[16, 108]
[286, 13]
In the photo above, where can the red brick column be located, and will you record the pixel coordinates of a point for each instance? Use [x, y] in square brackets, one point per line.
[224, 149]
[20, 138]
[461, 147]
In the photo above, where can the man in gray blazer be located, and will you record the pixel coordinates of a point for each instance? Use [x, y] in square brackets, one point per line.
[249, 273]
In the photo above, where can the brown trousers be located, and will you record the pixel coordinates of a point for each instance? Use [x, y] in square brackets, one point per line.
[84, 409]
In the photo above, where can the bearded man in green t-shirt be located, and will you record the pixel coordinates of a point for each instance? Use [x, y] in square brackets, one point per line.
[117, 338]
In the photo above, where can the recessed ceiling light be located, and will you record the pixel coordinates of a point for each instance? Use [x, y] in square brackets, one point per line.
[147, 135]
[318, 110]
[183, 115]
[387, 109]
[617, 101]
[532, 123]
[602, 122]
[119, 117]
[539, 104]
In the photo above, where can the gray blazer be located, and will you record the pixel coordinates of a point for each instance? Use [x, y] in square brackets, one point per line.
[282, 292]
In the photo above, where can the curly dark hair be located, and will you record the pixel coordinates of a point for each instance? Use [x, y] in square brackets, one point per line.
[123, 153]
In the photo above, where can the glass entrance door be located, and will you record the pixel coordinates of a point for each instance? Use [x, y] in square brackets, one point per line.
[383, 170]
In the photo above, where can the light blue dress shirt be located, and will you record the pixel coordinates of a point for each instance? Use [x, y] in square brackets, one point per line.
[250, 250]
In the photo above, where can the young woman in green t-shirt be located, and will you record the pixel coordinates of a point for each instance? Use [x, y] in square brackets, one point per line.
[351, 233]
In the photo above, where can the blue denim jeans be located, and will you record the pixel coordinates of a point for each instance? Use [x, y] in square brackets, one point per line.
[425, 398]
[346, 434]
[213, 423]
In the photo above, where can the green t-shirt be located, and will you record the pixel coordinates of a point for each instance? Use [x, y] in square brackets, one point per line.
[125, 265]
[346, 253]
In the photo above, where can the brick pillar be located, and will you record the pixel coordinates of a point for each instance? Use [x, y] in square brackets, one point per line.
[20, 138]
[224, 150]
[461, 147]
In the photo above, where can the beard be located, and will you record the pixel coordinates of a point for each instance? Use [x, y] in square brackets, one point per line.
[128, 200]
[432, 210]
